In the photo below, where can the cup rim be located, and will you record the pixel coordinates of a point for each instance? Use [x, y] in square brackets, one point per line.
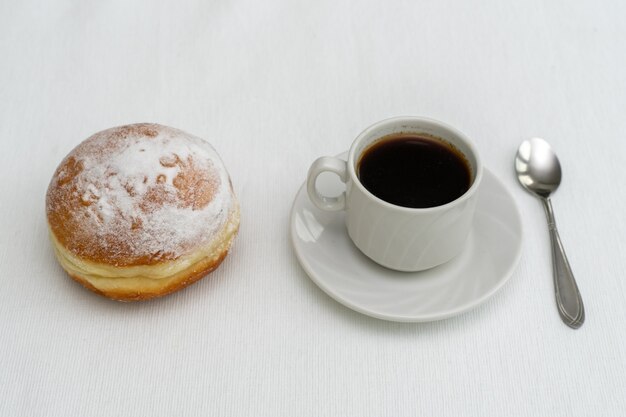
[398, 120]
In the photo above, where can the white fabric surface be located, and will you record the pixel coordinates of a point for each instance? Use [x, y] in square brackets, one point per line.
[272, 85]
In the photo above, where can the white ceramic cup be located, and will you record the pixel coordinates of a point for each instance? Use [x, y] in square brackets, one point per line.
[400, 238]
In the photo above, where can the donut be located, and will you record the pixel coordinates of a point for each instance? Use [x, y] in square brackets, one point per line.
[140, 211]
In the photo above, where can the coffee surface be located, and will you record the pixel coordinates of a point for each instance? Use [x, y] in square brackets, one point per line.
[414, 171]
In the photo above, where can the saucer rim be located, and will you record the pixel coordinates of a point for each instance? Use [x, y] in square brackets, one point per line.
[422, 318]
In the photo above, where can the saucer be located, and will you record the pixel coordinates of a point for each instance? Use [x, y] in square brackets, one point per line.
[332, 261]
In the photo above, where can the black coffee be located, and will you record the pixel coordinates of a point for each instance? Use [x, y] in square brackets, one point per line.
[414, 171]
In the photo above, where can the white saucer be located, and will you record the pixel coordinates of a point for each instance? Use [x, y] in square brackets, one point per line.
[333, 262]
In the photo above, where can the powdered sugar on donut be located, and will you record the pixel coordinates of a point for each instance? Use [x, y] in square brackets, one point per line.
[139, 194]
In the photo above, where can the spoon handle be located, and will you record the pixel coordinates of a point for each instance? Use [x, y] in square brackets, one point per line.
[568, 299]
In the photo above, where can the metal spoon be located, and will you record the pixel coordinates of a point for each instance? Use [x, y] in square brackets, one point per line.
[539, 171]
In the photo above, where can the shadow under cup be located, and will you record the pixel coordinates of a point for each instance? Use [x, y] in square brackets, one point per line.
[403, 238]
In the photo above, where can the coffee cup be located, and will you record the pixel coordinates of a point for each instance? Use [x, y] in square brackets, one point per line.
[398, 212]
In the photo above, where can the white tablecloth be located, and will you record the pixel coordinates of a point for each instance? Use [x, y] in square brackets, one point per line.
[272, 85]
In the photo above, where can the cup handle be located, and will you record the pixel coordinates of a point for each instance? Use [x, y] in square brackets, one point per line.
[327, 163]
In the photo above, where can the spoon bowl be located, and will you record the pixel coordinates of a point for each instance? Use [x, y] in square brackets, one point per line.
[537, 166]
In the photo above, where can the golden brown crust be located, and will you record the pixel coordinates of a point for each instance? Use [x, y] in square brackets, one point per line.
[148, 281]
[177, 282]
[120, 195]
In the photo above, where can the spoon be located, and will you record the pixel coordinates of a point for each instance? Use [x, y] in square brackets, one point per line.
[539, 171]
